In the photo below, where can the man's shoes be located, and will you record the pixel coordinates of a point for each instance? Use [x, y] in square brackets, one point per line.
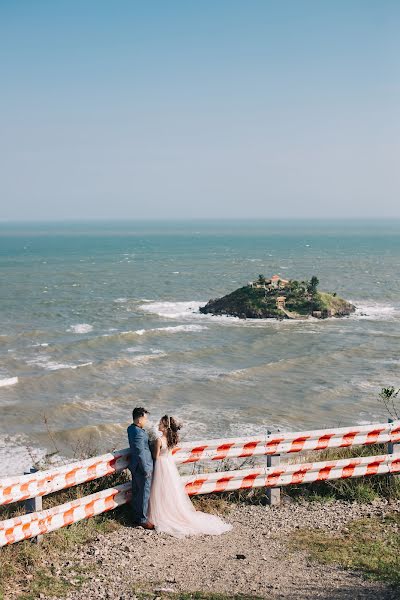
[146, 525]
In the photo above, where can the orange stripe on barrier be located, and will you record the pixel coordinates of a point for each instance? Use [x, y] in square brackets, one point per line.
[273, 477]
[324, 472]
[372, 436]
[396, 435]
[272, 445]
[396, 466]
[348, 439]
[298, 444]
[248, 481]
[194, 487]
[373, 467]
[349, 470]
[299, 475]
[222, 451]
[323, 441]
[196, 454]
[222, 483]
[248, 449]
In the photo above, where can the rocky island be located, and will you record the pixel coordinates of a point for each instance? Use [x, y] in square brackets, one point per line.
[279, 298]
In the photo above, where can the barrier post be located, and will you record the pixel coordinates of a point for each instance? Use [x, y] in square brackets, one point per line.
[33, 505]
[273, 494]
[393, 447]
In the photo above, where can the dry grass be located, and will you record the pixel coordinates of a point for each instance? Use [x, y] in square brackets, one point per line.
[370, 545]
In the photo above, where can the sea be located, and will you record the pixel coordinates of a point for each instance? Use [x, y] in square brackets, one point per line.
[100, 317]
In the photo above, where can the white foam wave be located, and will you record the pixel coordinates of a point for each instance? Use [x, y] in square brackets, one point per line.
[81, 328]
[190, 311]
[172, 310]
[8, 381]
[16, 455]
[137, 349]
[375, 311]
[171, 329]
[46, 363]
[120, 300]
[144, 358]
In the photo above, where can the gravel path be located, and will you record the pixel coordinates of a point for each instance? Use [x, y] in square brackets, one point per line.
[251, 559]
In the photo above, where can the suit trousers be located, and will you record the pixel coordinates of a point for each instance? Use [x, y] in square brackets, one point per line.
[141, 486]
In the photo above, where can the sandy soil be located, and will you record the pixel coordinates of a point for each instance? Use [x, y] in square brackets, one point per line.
[252, 559]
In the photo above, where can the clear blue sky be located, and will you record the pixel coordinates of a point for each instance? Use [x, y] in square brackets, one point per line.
[203, 109]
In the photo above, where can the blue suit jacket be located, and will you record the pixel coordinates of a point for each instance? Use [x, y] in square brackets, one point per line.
[141, 458]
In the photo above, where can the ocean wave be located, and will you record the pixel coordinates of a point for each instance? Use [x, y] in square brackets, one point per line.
[172, 310]
[190, 310]
[137, 359]
[375, 311]
[8, 381]
[171, 329]
[136, 349]
[16, 455]
[81, 328]
[46, 363]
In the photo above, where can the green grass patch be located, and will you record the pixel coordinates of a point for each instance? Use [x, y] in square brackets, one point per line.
[369, 545]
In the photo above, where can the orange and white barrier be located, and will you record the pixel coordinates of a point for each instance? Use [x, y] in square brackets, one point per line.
[22, 487]
[31, 525]
[283, 443]
[291, 474]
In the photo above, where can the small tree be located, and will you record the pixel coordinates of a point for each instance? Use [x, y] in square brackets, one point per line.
[389, 398]
[313, 285]
[261, 279]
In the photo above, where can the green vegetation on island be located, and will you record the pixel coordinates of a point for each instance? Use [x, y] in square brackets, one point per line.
[279, 298]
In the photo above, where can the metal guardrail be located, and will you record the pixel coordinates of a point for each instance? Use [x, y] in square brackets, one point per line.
[271, 476]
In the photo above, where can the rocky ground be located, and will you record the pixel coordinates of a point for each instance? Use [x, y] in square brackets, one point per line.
[253, 559]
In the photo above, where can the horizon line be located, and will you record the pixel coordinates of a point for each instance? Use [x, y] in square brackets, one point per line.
[123, 219]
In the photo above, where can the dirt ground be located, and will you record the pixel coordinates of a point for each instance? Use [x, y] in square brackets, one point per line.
[253, 559]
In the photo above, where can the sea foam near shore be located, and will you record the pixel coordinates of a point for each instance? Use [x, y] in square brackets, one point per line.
[8, 381]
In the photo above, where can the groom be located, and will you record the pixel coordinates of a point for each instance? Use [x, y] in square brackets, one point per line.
[141, 467]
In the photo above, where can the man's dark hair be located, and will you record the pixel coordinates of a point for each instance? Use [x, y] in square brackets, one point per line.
[139, 412]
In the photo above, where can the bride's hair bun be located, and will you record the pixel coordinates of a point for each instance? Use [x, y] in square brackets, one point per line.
[173, 426]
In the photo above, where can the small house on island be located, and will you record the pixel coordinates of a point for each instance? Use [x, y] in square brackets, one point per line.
[276, 282]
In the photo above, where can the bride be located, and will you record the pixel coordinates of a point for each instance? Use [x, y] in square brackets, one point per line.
[170, 509]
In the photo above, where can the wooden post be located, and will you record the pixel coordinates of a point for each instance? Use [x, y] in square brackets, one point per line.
[33, 505]
[273, 494]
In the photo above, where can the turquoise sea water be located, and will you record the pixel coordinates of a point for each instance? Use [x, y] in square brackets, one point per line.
[97, 318]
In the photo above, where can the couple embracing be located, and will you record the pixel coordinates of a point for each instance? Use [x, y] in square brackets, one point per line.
[159, 499]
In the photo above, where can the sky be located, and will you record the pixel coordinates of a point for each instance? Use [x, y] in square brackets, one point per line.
[210, 109]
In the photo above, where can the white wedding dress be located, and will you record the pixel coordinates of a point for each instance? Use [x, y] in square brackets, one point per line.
[170, 508]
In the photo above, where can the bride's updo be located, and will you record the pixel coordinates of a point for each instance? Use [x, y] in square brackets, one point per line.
[172, 426]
